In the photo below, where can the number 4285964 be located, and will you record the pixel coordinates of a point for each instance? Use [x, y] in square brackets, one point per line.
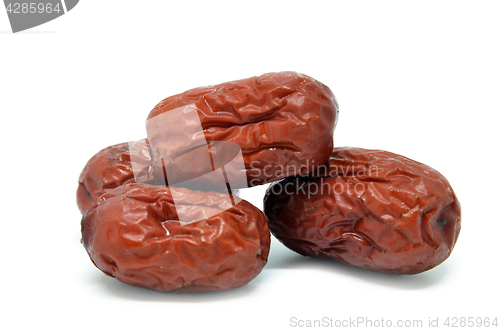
[456, 322]
[32, 8]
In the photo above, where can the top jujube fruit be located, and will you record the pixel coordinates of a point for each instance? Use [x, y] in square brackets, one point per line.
[283, 122]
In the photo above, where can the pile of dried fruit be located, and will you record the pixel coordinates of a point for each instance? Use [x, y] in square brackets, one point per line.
[163, 212]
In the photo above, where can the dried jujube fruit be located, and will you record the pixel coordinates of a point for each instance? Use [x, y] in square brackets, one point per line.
[283, 122]
[370, 209]
[204, 241]
[108, 169]
[131, 162]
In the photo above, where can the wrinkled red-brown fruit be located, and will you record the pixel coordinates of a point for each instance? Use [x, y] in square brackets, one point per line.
[134, 234]
[109, 168]
[113, 166]
[282, 121]
[374, 210]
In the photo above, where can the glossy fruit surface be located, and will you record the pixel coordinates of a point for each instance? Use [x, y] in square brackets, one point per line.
[201, 242]
[367, 208]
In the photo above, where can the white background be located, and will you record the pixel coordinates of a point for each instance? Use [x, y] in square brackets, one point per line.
[419, 78]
